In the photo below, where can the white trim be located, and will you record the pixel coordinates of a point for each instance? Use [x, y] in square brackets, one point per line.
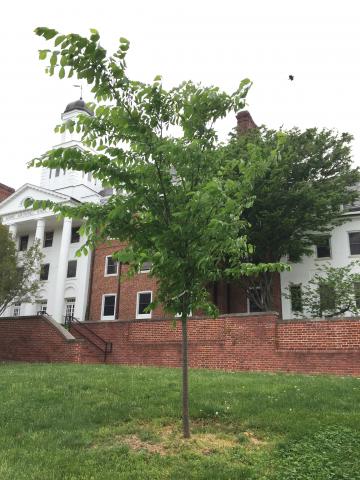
[106, 267]
[108, 317]
[142, 315]
[352, 255]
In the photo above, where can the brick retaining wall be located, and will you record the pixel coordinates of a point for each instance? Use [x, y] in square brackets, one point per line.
[41, 339]
[258, 342]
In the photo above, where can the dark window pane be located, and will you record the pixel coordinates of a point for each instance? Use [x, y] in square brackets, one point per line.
[146, 266]
[111, 266]
[327, 298]
[357, 293]
[75, 235]
[71, 271]
[253, 307]
[23, 243]
[48, 239]
[323, 247]
[354, 239]
[44, 272]
[144, 302]
[296, 298]
[109, 306]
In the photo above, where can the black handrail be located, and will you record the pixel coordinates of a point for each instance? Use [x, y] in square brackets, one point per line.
[73, 322]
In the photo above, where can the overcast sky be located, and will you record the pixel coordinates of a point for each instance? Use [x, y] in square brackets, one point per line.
[215, 42]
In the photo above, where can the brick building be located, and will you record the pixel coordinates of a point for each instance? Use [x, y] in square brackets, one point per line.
[5, 191]
[112, 299]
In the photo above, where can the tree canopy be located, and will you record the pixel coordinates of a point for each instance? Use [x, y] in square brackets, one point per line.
[299, 194]
[158, 149]
[19, 281]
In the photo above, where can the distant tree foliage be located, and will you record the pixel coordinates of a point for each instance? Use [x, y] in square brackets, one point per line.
[19, 279]
[308, 177]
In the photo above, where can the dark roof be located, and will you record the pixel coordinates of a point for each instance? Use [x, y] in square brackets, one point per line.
[78, 105]
[5, 187]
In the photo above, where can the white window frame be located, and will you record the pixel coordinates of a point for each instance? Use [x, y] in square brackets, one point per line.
[17, 309]
[106, 267]
[142, 270]
[71, 303]
[42, 303]
[349, 245]
[143, 315]
[108, 317]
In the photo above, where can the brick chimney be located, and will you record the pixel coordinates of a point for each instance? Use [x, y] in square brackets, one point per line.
[244, 122]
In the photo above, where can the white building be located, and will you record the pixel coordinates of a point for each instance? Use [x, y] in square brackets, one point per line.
[340, 248]
[64, 287]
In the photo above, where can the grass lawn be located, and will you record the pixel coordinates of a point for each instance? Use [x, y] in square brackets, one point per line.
[72, 422]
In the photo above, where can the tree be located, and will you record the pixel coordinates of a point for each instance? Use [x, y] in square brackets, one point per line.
[332, 291]
[158, 150]
[307, 179]
[18, 272]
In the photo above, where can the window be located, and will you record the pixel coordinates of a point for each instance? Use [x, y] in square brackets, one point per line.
[111, 266]
[142, 302]
[108, 307]
[70, 306]
[48, 239]
[23, 244]
[71, 270]
[57, 172]
[327, 298]
[323, 249]
[75, 235]
[357, 293]
[17, 309]
[354, 240]
[296, 298]
[252, 306]
[146, 267]
[42, 306]
[44, 271]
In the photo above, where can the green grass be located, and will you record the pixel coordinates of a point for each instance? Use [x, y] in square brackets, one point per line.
[78, 422]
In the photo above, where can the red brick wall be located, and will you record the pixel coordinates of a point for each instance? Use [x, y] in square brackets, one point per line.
[320, 335]
[35, 339]
[241, 342]
[126, 290]
[234, 342]
[5, 191]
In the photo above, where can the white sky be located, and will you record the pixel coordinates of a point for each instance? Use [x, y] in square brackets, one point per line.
[215, 42]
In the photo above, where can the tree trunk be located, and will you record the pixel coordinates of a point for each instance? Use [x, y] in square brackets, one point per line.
[185, 379]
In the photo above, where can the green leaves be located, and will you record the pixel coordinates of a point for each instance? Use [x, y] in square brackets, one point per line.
[47, 33]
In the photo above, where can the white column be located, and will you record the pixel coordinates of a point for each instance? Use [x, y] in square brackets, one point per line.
[13, 230]
[40, 231]
[31, 308]
[62, 271]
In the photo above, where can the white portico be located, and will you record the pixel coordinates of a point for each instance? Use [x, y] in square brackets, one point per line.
[64, 276]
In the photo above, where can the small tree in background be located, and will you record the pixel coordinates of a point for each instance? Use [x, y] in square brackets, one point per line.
[158, 150]
[19, 279]
[298, 195]
[331, 292]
